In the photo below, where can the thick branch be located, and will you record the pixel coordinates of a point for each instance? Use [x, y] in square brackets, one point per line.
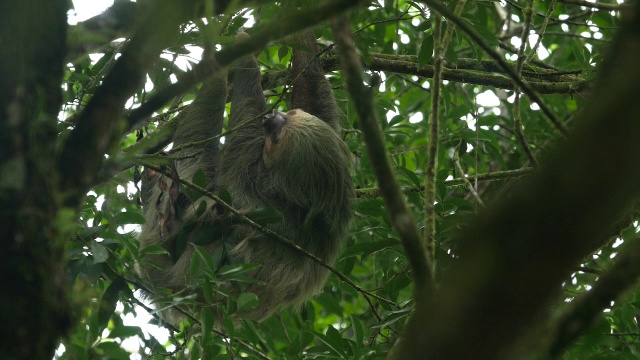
[121, 20]
[274, 30]
[117, 21]
[596, 5]
[470, 71]
[35, 307]
[98, 127]
[581, 313]
[515, 256]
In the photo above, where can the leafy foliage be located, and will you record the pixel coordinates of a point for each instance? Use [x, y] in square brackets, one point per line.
[477, 123]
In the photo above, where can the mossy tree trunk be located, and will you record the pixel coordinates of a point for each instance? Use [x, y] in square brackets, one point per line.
[33, 305]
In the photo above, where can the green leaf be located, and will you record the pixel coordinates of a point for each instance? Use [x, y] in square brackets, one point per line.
[265, 216]
[358, 330]
[329, 303]
[202, 207]
[333, 340]
[100, 253]
[581, 53]
[92, 232]
[459, 111]
[237, 269]
[370, 207]
[208, 292]
[199, 179]
[301, 341]
[426, 49]
[392, 317]
[367, 248]
[124, 218]
[411, 176]
[102, 61]
[206, 319]
[424, 25]
[204, 256]
[153, 250]
[247, 301]
[108, 301]
[395, 285]
[396, 120]
[487, 35]
[205, 233]
[225, 196]
[283, 51]
[113, 349]
[123, 331]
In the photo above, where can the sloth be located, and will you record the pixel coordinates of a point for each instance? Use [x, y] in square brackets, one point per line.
[295, 163]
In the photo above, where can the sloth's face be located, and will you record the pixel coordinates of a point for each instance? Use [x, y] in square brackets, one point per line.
[293, 134]
[275, 126]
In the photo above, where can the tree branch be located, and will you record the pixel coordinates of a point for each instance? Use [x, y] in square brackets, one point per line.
[35, 305]
[470, 71]
[582, 312]
[515, 114]
[541, 32]
[515, 255]
[98, 127]
[373, 193]
[433, 142]
[274, 30]
[596, 5]
[120, 21]
[467, 183]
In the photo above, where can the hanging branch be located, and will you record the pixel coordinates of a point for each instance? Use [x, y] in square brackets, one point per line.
[532, 54]
[446, 39]
[433, 141]
[517, 119]
[467, 183]
[399, 213]
[441, 41]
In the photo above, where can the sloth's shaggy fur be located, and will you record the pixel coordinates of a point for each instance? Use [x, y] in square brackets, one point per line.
[298, 166]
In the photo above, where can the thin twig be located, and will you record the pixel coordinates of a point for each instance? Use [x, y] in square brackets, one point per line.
[446, 39]
[516, 102]
[541, 31]
[372, 193]
[472, 190]
[433, 142]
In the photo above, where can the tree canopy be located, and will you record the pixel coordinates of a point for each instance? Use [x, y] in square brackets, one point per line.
[496, 159]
